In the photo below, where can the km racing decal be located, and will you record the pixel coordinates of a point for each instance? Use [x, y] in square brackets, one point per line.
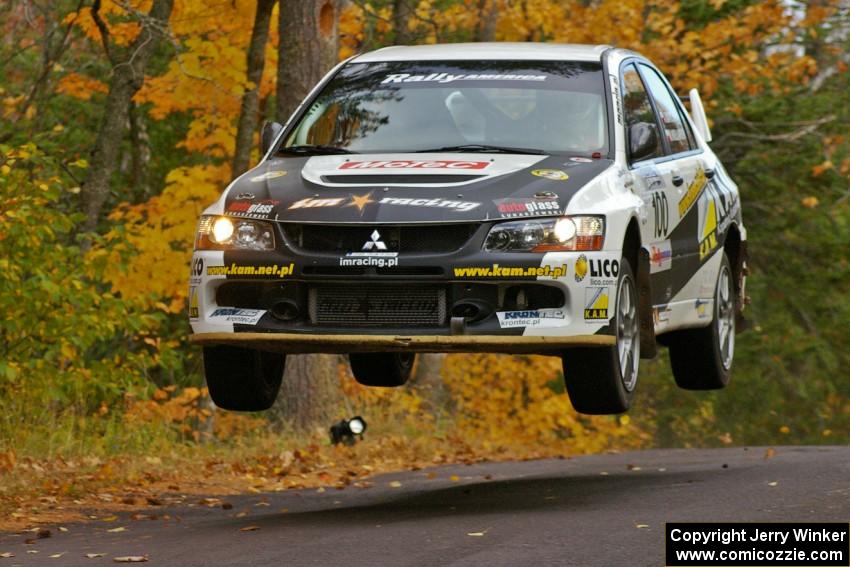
[595, 304]
[360, 201]
[234, 269]
[497, 271]
[531, 318]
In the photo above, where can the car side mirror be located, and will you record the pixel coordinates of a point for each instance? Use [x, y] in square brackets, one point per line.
[643, 140]
[268, 135]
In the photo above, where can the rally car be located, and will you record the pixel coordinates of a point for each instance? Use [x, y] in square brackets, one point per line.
[509, 198]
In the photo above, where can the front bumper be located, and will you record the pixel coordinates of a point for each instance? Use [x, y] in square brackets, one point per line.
[341, 344]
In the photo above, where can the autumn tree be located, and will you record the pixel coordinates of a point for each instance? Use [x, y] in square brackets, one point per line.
[128, 73]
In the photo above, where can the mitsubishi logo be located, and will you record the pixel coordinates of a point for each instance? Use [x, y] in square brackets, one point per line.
[375, 242]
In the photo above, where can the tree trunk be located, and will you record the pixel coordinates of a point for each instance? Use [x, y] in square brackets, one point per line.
[307, 50]
[308, 47]
[402, 12]
[248, 114]
[488, 16]
[128, 74]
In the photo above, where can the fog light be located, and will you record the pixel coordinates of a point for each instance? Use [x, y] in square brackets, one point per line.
[346, 430]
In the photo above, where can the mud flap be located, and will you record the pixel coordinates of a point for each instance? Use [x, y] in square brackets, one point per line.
[648, 346]
[742, 270]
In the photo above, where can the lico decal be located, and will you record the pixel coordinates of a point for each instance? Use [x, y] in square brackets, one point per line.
[497, 271]
[512, 208]
[415, 164]
[531, 318]
[690, 196]
[235, 269]
[660, 256]
[602, 271]
[551, 174]
[268, 175]
[449, 78]
[237, 315]
[596, 304]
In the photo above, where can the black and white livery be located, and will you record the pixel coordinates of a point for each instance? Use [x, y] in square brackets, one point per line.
[510, 198]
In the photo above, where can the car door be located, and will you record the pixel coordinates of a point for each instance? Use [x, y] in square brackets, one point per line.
[653, 180]
[685, 174]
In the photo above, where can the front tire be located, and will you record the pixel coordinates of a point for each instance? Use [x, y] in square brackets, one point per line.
[382, 369]
[702, 358]
[241, 379]
[602, 380]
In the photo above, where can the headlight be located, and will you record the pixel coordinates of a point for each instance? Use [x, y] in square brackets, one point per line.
[547, 235]
[220, 233]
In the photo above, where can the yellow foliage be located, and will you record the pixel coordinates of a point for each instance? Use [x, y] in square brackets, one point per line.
[80, 86]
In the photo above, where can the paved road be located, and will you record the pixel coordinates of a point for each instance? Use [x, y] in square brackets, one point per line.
[605, 510]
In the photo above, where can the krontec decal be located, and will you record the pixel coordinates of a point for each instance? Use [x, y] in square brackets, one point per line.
[531, 318]
[553, 174]
[268, 175]
[415, 164]
[449, 78]
[512, 208]
[251, 271]
[690, 196]
[235, 315]
[247, 209]
[497, 271]
[373, 254]
[596, 304]
[436, 203]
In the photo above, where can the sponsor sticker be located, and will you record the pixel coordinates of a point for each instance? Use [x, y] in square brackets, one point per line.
[615, 95]
[193, 302]
[449, 78]
[497, 271]
[581, 268]
[531, 318]
[603, 271]
[268, 175]
[707, 225]
[247, 209]
[660, 256]
[373, 254]
[415, 164]
[596, 304]
[694, 190]
[513, 208]
[552, 174]
[581, 160]
[234, 269]
[660, 315]
[360, 201]
[435, 203]
[236, 315]
[701, 306]
[197, 270]
[310, 203]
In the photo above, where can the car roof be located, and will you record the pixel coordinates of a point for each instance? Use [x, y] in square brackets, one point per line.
[492, 50]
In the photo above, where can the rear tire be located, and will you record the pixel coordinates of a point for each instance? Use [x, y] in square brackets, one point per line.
[241, 379]
[702, 358]
[602, 380]
[382, 369]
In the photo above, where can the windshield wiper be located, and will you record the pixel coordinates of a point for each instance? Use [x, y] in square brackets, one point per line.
[484, 148]
[319, 150]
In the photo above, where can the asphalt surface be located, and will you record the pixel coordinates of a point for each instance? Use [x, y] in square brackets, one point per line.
[605, 510]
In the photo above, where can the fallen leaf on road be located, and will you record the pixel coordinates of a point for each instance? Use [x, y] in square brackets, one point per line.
[57, 555]
[633, 467]
[32, 551]
[6, 555]
[241, 514]
[93, 555]
[774, 483]
[769, 453]
[641, 526]
[395, 484]
[130, 559]
[431, 475]
[249, 529]
[117, 530]
[454, 478]
[478, 534]
[110, 519]
[63, 529]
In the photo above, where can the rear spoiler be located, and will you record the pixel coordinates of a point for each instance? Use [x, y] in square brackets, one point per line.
[697, 113]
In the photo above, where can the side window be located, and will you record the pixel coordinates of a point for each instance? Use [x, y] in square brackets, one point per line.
[675, 128]
[636, 105]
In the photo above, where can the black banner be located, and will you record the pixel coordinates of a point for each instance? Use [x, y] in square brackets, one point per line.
[758, 544]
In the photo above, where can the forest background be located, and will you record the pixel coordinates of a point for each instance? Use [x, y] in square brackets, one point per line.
[121, 120]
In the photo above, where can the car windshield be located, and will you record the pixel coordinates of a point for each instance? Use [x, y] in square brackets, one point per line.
[553, 107]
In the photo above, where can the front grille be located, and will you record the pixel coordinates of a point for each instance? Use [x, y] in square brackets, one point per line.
[408, 239]
[362, 305]
[392, 179]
